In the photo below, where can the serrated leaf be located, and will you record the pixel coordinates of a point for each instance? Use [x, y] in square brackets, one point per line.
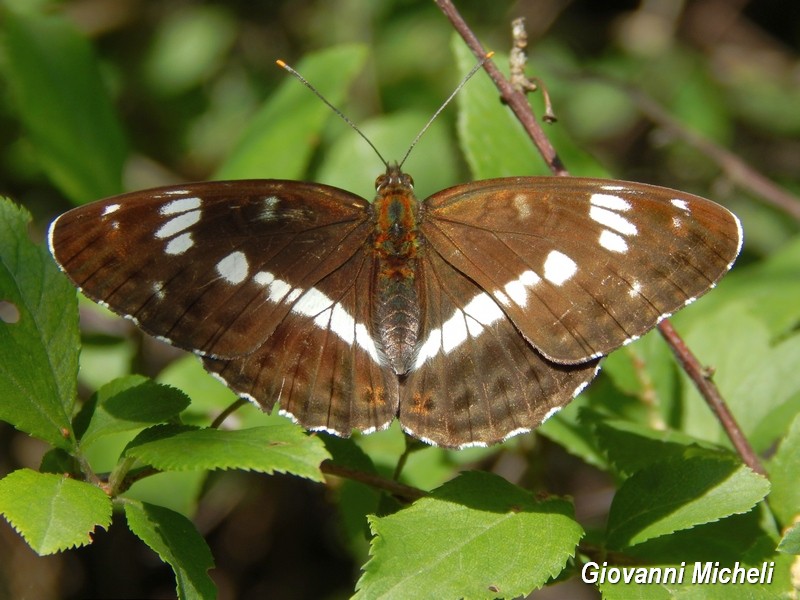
[679, 494]
[631, 446]
[53, 512]
[39, 348]
[176, 541]
[131, 403]
[477, 536]
[279, 140]
[284, 448]
[55, 80]
[784, 499]
[747, 537]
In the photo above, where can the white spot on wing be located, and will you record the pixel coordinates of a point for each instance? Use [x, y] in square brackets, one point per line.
[612, 241]
[522, 206]
[610, 201]
[269, 208]
[466, 445]
[612, 220]
[504, 300]
[517, 289]
[278, 288]
[558, 267]
[553, 411]
[470, 321]
[180, 206]
[180, 244]
[110, 209]
[681, 204]
[630, 340]
[483, 309]
[454, 331]
[579, 389]
[158, 290]
[333, 316]
[516, 432]
[677, 223]
[233, 268]
[264, 278]
[178, 224]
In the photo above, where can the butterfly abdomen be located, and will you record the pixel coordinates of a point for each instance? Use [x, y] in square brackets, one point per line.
[396, 310]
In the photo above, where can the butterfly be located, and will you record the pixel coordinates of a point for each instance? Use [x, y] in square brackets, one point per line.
[471, 316]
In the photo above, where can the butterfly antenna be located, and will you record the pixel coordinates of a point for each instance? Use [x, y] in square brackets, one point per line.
[306, 83]
[445, 103]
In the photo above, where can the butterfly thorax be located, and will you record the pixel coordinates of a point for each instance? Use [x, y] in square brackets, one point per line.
[396, 312]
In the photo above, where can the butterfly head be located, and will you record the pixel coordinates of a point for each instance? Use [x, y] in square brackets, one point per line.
[393, 180]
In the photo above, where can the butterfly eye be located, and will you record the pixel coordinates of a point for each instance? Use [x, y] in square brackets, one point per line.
[408, 181]
[380, 181]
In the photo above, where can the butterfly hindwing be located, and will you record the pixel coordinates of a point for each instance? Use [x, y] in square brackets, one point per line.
[476, 379]
[582, 266]
[321, 364]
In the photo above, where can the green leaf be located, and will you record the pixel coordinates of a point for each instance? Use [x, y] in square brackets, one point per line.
[189, 47]
[760, 381]
[176, 540]
[131, 403]
[284, 448]
[679, 494]
[280, 139]
[477, 536]
[494, 142]
[631, 447]
[53, 512]
[769, 289]
[790, 543]
[749, 537]
[55, 79]
[39, 343]
[784, 499]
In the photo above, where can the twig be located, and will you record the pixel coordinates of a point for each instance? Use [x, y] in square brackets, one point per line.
[734, 167]
[519, 105]
[710, 392]
[515, 99]
[382, 483]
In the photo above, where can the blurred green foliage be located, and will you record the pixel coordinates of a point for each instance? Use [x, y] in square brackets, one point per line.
[99, 96]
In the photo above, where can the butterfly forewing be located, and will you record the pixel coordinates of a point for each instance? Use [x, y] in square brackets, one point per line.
[582, 266]
[211, 267]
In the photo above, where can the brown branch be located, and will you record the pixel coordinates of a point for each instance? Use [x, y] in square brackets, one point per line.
[737, 170]
[708, 389]
[519, 105]
[514, 98]
[382, 483]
